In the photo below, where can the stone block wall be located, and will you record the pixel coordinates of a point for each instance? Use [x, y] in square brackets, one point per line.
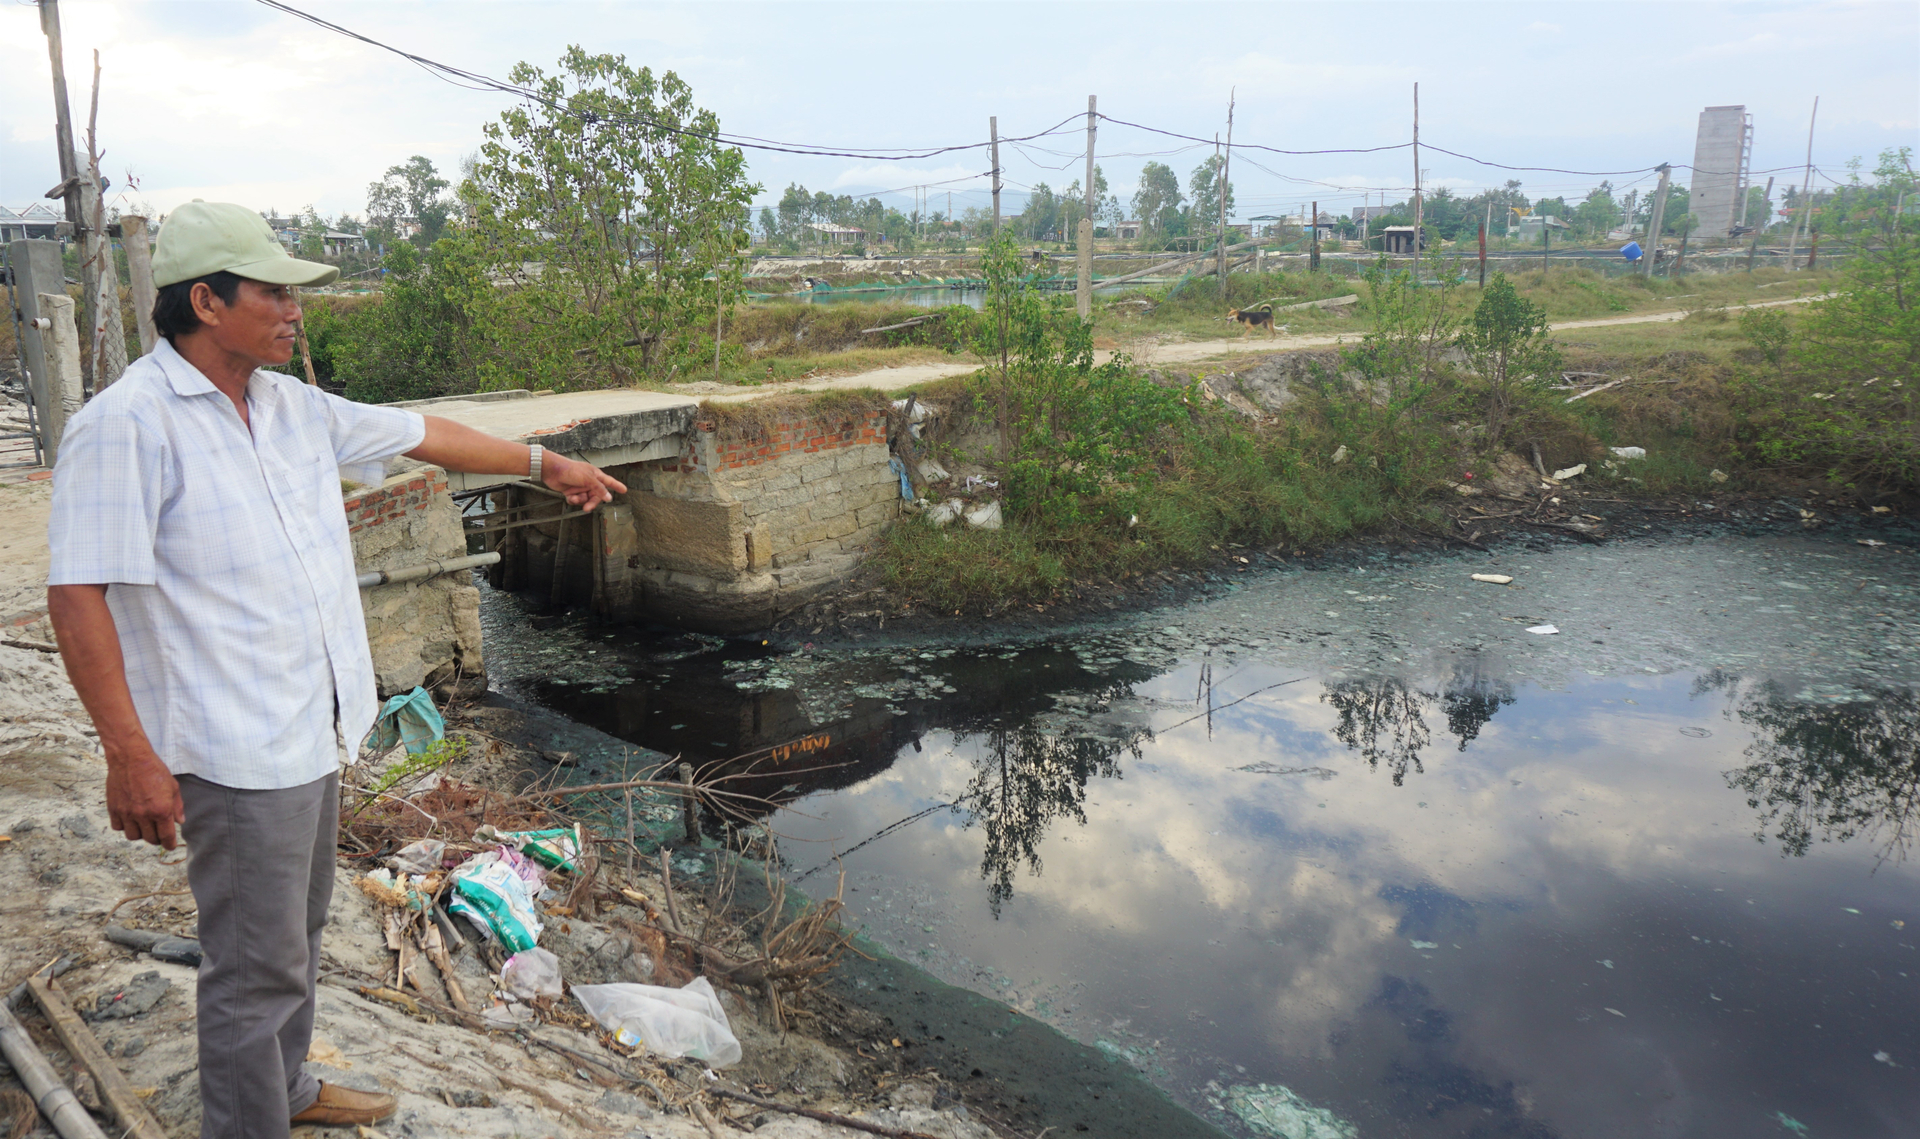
[753, 519]
[420, 633]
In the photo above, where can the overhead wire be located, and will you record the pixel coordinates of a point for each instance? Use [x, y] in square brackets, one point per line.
[475, 81]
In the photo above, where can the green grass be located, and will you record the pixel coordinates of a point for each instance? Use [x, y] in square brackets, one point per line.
[1222, 485]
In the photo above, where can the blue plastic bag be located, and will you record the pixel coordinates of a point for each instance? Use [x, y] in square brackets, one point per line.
[411, 719]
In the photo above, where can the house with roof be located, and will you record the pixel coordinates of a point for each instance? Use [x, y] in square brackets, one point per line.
[36, 220]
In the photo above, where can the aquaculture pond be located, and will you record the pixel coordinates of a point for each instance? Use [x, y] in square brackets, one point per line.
[1363, 850]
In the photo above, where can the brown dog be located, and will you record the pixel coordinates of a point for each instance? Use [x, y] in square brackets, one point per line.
[1251, 319]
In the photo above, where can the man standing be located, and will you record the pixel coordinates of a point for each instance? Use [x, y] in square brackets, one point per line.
[202, 589]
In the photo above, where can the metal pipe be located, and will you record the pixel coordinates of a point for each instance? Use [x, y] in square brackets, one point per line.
[422, 572]
[49, 1094]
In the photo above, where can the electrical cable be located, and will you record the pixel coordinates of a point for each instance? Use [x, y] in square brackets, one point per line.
[474, 81]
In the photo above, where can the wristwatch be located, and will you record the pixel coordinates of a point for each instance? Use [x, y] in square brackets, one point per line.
[533, 463]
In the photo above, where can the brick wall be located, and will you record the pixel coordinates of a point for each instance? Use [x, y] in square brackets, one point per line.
[412, 493]
[425, 632]
[754, 517]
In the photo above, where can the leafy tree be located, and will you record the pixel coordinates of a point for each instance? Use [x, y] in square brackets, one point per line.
[1157, 202]
[413, 189]
[1599, 212]
[1204, 185]
[1042, 213]
[616, 216]
[1073, 203]
[420, 340]
[313, 233]
[1507, 343]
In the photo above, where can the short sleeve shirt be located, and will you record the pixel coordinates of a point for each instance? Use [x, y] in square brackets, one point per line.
[227, 561]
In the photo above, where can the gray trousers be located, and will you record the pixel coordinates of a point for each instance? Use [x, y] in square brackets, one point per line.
[261, 867]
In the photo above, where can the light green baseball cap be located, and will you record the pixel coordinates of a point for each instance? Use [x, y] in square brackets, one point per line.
[209, 237]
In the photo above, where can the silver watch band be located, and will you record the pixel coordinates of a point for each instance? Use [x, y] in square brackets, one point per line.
[534, 454]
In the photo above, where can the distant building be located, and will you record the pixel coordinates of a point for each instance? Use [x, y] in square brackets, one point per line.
[1722, 157]
[1530, 227]
[1368, 213]
[36, 220]
[837, 234]
[1127, 230]
[340, 244]
[1399, 238]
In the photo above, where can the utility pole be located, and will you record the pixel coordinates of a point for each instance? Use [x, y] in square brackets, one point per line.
[1806, 189]
[1766, 209]
[1418, 222]
[993, 126]
[69, 187]
[1656, 217]
[1226, 166]
[1483, 249]
[1313, 261]
[1084, 239]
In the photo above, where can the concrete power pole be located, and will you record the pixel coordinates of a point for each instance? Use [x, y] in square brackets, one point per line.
[1083, 294]
[1418, 223]
[1806, 188]
[1226, 167]
[993, 127]
[1656, 218]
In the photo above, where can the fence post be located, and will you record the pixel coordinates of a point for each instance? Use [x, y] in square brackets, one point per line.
[60, 341]
[133, 235]
[36, 268]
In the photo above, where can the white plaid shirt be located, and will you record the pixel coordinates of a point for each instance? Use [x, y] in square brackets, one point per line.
[229, 570]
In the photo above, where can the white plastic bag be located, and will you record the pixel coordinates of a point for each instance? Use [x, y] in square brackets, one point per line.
[985, 518]
[945, 512]
[531, 973]
[673, 1022]
[421, 857]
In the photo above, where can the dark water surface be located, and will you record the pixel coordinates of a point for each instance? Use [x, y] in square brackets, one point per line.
[1355, 849]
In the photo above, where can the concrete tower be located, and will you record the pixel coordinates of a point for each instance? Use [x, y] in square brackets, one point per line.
[1721, 157]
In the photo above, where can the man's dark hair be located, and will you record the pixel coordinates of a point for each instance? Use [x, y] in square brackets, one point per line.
[173, 307]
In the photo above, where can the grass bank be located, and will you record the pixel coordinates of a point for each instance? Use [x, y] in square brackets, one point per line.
[1107, 473]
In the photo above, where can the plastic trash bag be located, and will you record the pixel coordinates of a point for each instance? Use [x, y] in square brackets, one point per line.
[489, 892]
[672, 1022]
[421, 857]
[945, 512]
[985, 518]
[531, 973]
[557, 849]
[411, 719]
[900, 470]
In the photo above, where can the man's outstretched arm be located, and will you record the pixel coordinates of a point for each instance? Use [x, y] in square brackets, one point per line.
[458, 447]
[143, 798]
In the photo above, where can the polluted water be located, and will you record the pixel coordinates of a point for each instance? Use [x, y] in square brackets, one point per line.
[1356, 850]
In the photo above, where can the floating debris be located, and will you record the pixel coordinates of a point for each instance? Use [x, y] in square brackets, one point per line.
[1267, 768]
[1273, 1109]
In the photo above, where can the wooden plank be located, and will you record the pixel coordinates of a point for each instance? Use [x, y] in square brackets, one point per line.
[134, 1118]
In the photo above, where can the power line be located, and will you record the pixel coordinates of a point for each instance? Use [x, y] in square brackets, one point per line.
[474, 81]
[1256, 146]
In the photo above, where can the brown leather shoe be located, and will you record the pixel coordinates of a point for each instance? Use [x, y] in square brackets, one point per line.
[344, 1107]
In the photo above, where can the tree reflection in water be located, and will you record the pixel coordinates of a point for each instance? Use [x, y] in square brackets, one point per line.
[1835, 771]
[1033, 772]
[1384, 718]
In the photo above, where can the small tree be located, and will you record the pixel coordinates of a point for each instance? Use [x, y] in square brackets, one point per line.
[413, 189]
[1506, 342]
[611, 206]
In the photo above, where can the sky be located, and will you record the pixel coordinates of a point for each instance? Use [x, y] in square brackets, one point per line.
[232, 100]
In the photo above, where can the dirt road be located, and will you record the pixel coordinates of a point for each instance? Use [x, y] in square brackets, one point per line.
[1148, 351]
